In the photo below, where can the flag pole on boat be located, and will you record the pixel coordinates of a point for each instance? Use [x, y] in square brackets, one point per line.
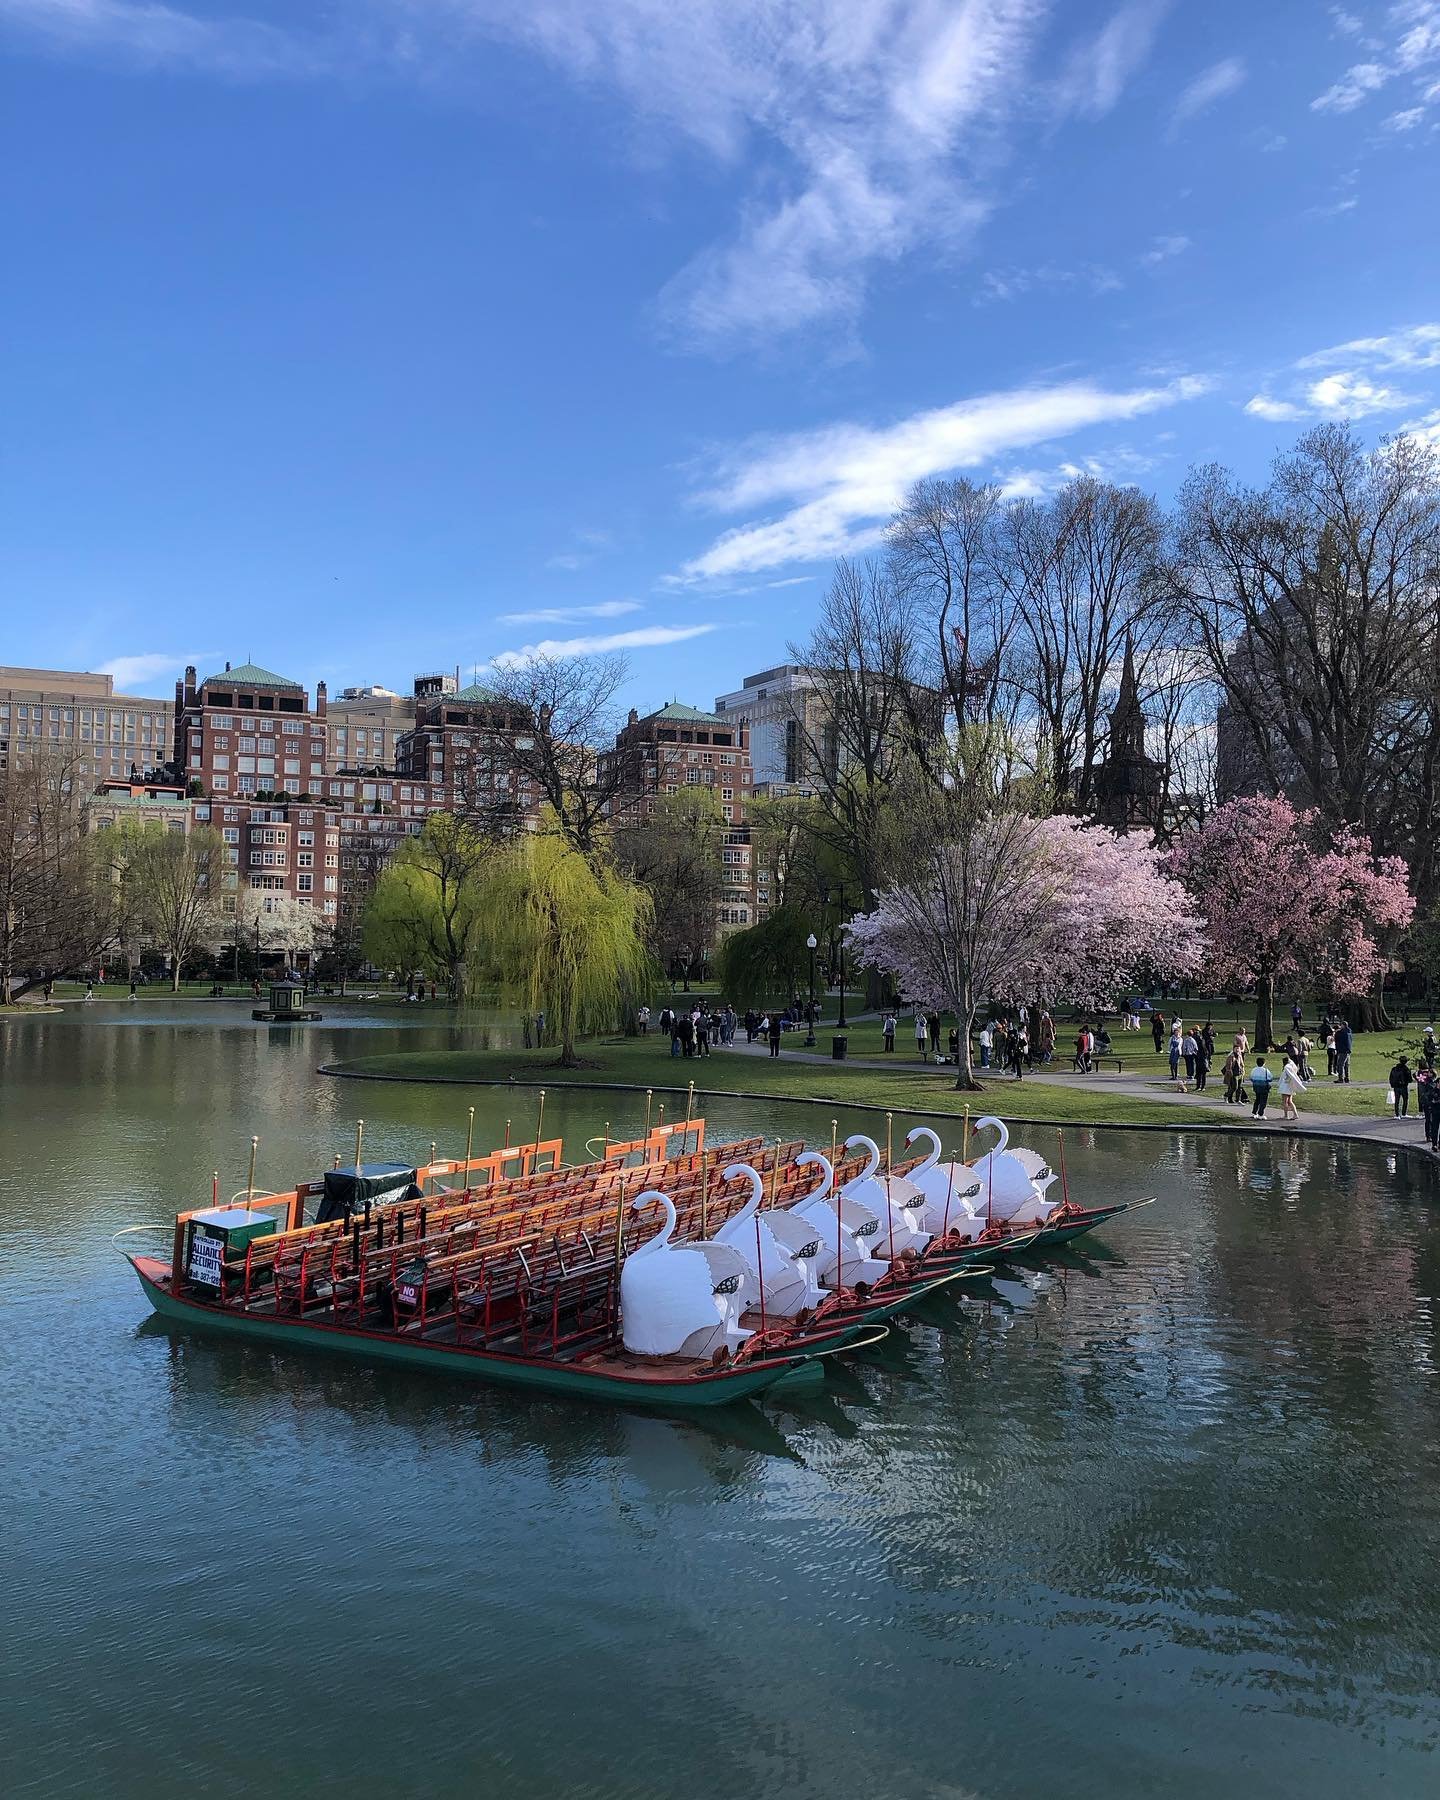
[839, 1222]
[704, 1194]
[250, 1179]
[470, 1139]
[649, 1096]
[429, 1173]
[359, 1140]
[539, 1123]
[889, 1161]
[965, 1138]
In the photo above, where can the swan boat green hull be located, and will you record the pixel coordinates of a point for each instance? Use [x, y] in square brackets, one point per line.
[639, 1385]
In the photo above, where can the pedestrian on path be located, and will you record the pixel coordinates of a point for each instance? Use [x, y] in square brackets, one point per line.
[1400, 1079]
[1187, 1050]
[1430, 1108]
[1260, 1079]
[1157, 1029]
[1232, 1073]
[921, 1034]
[1291, 1084]
[1174, 1057]
[776, 1026]
[889, 1030]
[987, 1041]
[933, 1024]
[1202, 1063]
[1344, 1042]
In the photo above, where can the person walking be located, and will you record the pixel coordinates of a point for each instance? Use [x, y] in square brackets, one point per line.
[1047, 1038]
[1157, 1029]
[1429, 1097]
[1202, 1062]
[1304, 1046]
[1291, 1084]
[1400, 1079]
[921, 1034]
[1175, 1042]
[775, 1029]
[987, 1040]
[1260, 1079]
[1018, 1045]
[701, 1021]
[1187, 1050]
[889, 1029]
[1231, 1071]
[933, 1025]
[1344, 1042]
[1240, 1044]
[1327, 1044]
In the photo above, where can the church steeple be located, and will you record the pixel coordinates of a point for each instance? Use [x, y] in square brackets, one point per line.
[1127, 721]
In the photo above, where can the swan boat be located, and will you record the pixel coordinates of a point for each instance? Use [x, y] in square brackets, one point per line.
[640, 1276]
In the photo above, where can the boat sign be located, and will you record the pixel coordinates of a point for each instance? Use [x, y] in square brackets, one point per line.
[207, 1254]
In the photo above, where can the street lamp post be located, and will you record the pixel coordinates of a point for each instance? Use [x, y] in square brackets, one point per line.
[810, 944]
[841, 1022]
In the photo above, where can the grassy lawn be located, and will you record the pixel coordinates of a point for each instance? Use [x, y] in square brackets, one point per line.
[645, 1062]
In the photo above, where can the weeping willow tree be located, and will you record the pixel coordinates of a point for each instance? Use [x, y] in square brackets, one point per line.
[566, 935]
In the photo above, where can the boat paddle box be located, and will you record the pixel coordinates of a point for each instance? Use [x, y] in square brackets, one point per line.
[214, 1236]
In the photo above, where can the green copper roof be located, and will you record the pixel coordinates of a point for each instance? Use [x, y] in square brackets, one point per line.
[472, 694]
[688, 715]
[251, 675]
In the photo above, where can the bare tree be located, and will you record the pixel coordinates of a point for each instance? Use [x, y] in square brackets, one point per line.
[1081, 568]
[1315, 602]
[677, 854]
[568, 708]
[57, 898]
[943, 554]
[172, 882]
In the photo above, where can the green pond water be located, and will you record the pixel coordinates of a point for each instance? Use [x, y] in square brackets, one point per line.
[1161, 1517]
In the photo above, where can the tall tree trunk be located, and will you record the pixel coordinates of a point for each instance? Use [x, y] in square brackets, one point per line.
[964, 1074]
[174, 974]
[1264, 1013]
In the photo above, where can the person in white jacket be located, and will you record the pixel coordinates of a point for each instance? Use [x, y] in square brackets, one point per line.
[1290, 1084]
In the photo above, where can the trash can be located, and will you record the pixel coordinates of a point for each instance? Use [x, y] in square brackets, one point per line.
[838, 1046]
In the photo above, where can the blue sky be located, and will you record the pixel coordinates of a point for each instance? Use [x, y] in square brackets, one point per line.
[368, 339]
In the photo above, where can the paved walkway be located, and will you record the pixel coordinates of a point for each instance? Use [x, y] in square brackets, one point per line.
[1381, 1127]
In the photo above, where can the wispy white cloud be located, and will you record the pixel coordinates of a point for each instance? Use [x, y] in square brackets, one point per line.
[1426, 429]
[844, 481]
[1208, 87]
[1163, 249]
[1408, 45]
[1356, 385]
[1350, 395]
[1265, 406]
[1010, 283]
[1409, 347]
[132, 672]
[645, 637]
[858, 131]
[1099, 69]
[155, 35]
[566, 615]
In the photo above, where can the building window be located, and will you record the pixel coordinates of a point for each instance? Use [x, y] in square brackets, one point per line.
[304, 883]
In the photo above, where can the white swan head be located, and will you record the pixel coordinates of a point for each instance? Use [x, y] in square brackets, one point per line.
[824, 1164]
[858, 1142]
[924, 1131]
[652, 1197]
[999, 1125]
[733, 1172]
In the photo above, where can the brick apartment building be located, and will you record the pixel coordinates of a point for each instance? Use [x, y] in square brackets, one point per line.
[678, 746]
[463, 744]
[77, 710]
[248, 731]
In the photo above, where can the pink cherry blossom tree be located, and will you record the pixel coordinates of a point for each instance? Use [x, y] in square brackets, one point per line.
[1285, 900]
[1028, 909]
